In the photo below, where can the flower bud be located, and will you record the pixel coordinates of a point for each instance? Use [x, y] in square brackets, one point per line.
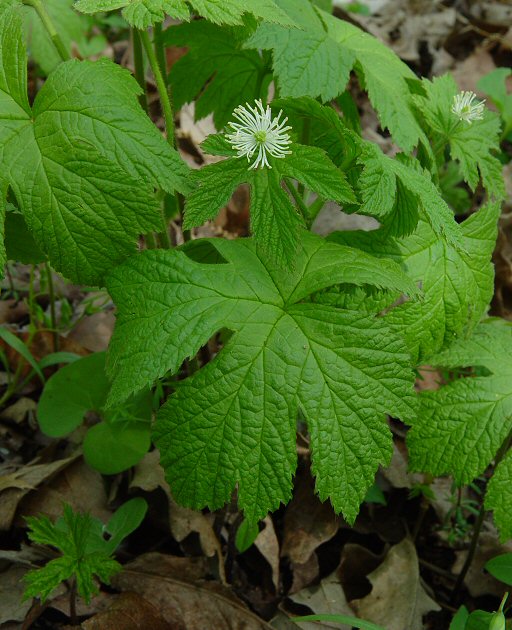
[497, 621]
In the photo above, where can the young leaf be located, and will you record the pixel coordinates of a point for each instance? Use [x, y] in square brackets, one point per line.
[216, 69]
[500, 566]
[499, 493]
[115, 444]
[124, 521]
[471, 144]
[70, 535]
[144, 13]
[86, 129]
[316, 61]
[275, 222]
[233, 422]
[460, 427]
[457, 283]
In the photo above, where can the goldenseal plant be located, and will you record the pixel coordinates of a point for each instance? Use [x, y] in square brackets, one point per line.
[331, 330]
[258, 131]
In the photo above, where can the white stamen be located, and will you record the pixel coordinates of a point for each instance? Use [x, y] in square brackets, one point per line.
[465, 109]
[256, 131]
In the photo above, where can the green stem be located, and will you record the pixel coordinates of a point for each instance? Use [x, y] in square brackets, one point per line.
[478, 525]
[159, 50]
[161, 87]
[298, 199]
[138, 60]
[51, 292]
[49, 26]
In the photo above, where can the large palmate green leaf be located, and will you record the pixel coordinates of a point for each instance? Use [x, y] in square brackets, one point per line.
[457, 284]
[233, 423]
[472, 145]
[216, 69]
[461, 426]
[275, 221]
[316, 60]
[143, 13]
[83, 161]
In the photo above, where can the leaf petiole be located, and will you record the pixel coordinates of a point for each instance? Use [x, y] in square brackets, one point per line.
[49, 26]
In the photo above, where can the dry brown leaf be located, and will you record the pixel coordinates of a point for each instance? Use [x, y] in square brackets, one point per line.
[93, 332]
[327, 598]
[267, 544]
[25, 479]
[304, 574]
[129, 611]
[356, 563]
[308, 522]
[11, 593]
[79, 485]
[12, 311]
[398, 600]
[177, 588]
[19, 410]
[149, 476]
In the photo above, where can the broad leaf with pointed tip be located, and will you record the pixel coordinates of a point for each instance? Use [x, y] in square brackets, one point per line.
[233, 422]
[316, 60]
[461, 426]
[275, 221]
[83, 162]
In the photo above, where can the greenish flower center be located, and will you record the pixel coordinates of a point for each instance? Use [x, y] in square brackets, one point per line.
[260, 136]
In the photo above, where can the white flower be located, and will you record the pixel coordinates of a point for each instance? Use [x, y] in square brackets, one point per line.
[464, 107]
[258, 132]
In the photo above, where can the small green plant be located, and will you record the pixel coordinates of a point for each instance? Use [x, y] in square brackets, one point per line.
[86, 545]
[120, 439]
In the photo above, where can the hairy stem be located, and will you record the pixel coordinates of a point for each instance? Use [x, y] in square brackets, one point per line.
[160, 53]
[138, 61]
[49, 26]
[298, 200]
[161, 87]
[478, 525]
[51, 293]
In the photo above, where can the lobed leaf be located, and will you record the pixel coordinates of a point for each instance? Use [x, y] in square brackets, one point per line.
[461, 426]
[457, 283]
[233, 422]
[83, 163]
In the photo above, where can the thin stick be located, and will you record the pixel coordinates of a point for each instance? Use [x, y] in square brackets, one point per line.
[49, 26]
